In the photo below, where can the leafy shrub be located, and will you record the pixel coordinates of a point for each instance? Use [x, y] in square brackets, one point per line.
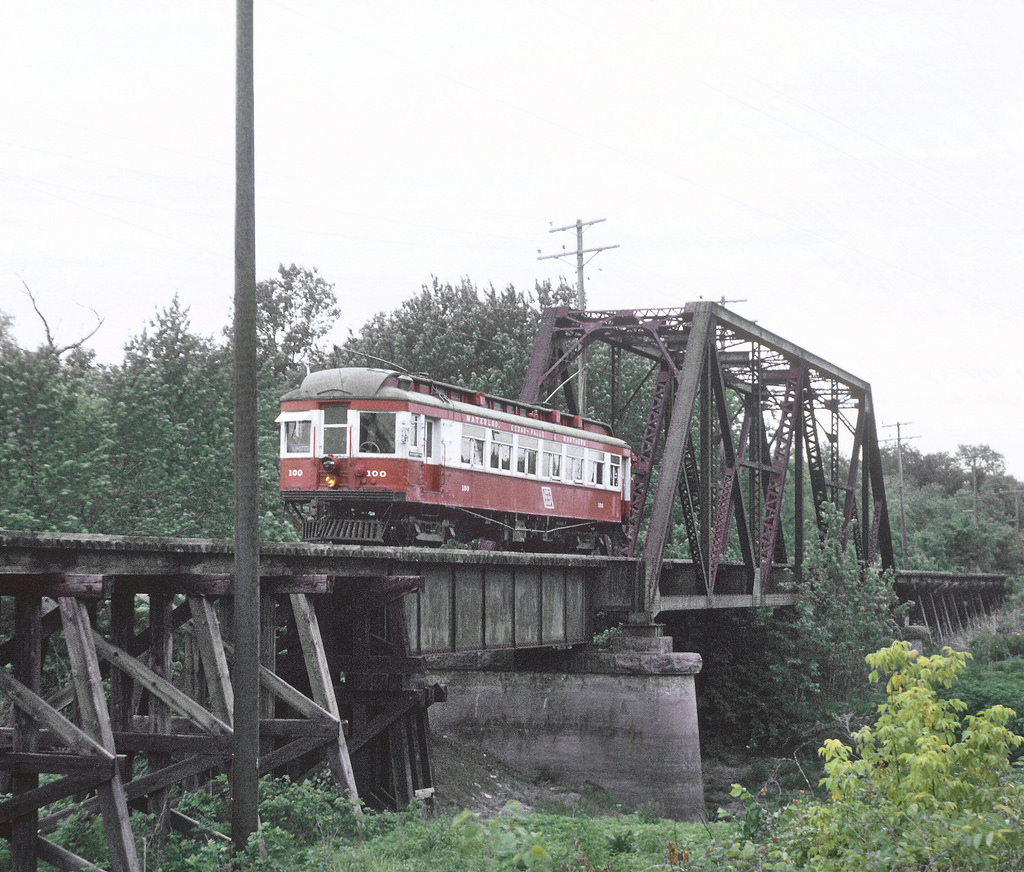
[927, 786]
[844, 612]
[813, 655]
[982, 686]
[994, 647]
[507, 839]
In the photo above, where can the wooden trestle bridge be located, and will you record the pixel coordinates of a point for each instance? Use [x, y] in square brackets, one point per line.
[91, 626]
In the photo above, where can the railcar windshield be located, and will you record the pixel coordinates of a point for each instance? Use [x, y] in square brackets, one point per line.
[377, 432]
[336, 430]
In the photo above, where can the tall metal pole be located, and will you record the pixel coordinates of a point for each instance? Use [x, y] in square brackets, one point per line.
[903, 513]
[246, 624]
[581, 296]
[899, 466]
[581, 304]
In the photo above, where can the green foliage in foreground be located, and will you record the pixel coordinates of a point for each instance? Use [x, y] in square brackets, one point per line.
[926, 787]
[307, 827]
[995, 676]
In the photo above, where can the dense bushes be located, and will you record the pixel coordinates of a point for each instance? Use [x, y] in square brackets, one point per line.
[994, 676]
[766, 673]
[928, 786]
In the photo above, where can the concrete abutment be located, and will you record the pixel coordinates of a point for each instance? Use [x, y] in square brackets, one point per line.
[624, 720]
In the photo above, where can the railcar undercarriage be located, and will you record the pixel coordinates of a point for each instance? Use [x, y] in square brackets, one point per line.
[390, 520]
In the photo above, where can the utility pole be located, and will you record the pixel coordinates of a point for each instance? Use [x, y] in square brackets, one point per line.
[899, 463]
[246, 623]
[581, 297]
[1016, 526]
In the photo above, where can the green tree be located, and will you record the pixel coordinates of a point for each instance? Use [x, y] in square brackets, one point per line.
[845, 611]
[55, 438]
[922, 470]
[294, 312]
[455, 334]
[960, 511]
[172, 404]
[7, 343]
[979, 462]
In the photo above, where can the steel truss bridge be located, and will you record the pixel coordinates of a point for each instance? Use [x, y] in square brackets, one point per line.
[740, 424]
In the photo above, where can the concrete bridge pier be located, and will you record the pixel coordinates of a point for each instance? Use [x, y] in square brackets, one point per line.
[624, 719]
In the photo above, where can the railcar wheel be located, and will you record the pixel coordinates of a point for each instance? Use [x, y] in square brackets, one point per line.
[401, 533]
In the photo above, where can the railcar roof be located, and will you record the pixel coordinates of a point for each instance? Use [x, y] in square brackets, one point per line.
[342, 383]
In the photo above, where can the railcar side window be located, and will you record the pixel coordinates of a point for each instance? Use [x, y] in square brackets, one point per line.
[613, 469]
[416, 436]
[336, 430]
[377, 432]
[595, 468]
[297, 437]
[552, 460]
[526, 459]
[574, 464]
[501, 450]
[473, 444]
[429, 438]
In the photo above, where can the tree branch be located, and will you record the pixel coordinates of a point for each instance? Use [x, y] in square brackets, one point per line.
[50, 344]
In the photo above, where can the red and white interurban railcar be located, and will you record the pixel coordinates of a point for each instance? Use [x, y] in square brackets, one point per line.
[375, 455]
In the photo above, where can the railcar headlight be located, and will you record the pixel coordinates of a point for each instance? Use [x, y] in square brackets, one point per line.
[328, 463]
[331, 481]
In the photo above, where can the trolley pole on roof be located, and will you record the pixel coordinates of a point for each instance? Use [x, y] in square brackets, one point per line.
[246, 625]
[581, 296]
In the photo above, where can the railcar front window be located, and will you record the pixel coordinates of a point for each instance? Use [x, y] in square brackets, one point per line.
[376, 432]
[336, 430]
[298, 437]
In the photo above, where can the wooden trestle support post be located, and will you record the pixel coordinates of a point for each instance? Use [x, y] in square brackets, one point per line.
[131, 750]
[948, 603]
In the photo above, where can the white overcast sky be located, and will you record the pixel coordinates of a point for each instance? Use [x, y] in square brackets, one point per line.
[852, 171]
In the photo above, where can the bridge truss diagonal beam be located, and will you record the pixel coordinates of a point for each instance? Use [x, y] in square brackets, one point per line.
[739, 423]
